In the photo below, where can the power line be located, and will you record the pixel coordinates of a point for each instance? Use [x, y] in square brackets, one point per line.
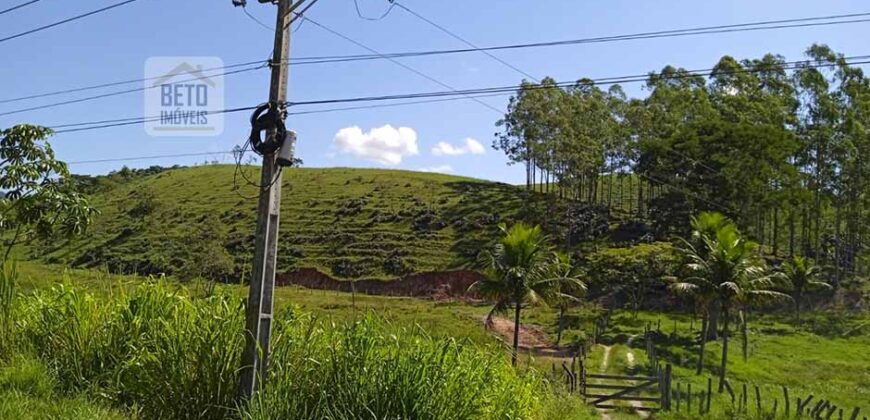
[363, 57]
[465, 41]
[601, 81]
[119, 83]
[385, 14]
[116, 93]
[67, 20]
[132, 121]
[741, 27]
[254, 18]
[399, 63]
[138, 120]
[443, 96]
[127, 159]
[4, 11]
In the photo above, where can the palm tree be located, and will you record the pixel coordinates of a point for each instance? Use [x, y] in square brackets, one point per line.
[567, 286]
[802, 275]
[728, 266]
[704, 227]
[515, 274]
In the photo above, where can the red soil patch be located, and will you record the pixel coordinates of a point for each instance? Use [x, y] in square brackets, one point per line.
[532, 338]
[434, 285]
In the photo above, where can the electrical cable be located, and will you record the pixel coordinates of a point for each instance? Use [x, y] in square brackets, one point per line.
[441, 96]
[254, 18]
[465, 41]
[116, 93]
[140, 120]
[67, 20]
[314, 60]
[128, 159]
[602, 81]
[399, 63]
[4, 11]
[385, 14]
[741, 27]
[123, 82]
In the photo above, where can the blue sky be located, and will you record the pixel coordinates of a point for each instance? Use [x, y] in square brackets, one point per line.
[114, 46]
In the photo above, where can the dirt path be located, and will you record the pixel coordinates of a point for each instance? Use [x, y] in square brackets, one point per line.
[532, 338]
[629, 358]
[605, 361]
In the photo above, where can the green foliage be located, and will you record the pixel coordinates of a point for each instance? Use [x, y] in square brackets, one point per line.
[39, 199]
[625, 270]
[781, 149]
[207, 256]
[164, 354]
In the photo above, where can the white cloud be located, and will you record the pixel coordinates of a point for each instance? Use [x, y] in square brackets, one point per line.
[444, 169]
[385, 144]
[471, 146]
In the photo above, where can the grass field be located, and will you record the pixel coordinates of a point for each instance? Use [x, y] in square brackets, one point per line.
[825, 358]
[346, 222]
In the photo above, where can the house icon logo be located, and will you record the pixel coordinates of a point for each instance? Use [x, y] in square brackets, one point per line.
[183, 95]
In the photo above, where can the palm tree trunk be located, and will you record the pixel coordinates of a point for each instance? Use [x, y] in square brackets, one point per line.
[724, 365]
[516, 334]
[744, 332]
[561, 324]
[713, 323]
[797, 307]
[704, 327]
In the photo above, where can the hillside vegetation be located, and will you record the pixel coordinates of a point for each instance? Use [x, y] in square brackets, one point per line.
[346, 222]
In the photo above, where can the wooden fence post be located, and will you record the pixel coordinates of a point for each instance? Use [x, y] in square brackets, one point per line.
[855, 413]
[709, 391]
[689, 397]
[668, 383]
[758, 400]
[787, 405]
[678, 389]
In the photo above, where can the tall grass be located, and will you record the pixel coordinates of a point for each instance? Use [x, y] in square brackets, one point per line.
[8, 278]
[159, 353]
[365, 371]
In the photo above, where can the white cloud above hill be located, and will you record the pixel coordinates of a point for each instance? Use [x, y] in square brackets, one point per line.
[386, 144]
[471, 146]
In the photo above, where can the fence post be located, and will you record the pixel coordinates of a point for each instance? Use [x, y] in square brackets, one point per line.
[678, 389]
[709, 391]
[787, 405]
[689, 397]
[668, 384]
[662, 397]
[855, 413]
[758, 400]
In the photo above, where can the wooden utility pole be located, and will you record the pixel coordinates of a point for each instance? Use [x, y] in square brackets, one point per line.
[258, 318]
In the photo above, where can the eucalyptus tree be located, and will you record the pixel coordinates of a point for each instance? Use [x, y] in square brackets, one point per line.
[819, 114]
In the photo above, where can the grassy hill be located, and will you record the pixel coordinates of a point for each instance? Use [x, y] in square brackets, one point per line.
[346, 222]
